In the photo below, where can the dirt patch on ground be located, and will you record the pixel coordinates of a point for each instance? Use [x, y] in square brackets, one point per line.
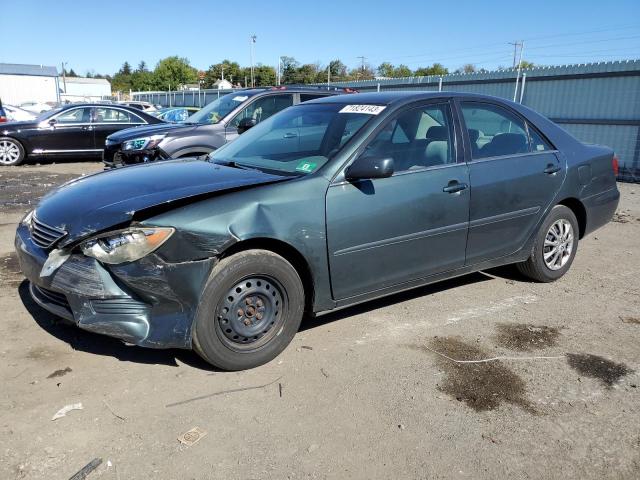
[21, 190]
[60, 373]
[594, 366]
[624, 217]
[10, 273]
[482, 386]
[524, 337]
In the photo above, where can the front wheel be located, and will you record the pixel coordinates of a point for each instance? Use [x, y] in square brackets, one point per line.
[11, 152]
[554, 248]
[251, 309]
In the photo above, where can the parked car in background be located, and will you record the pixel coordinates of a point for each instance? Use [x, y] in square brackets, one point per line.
[17, 114]
[144, 106]
[75, 130]
[36, 107]
[3, 114]
[329, 203]
[175, 114]
[214, 125]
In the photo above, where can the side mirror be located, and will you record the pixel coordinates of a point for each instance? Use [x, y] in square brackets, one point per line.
[369, 167]
[52, 122]
[245, 124]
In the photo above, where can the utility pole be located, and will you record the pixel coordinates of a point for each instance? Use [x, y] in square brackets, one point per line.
[221, 72]
[329, 74]
[515, 93]
[362, 59]
[252, 41]
[64, 78]
[516, 44]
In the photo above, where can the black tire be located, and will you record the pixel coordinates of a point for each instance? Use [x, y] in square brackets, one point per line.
[5, 158]
[535, 267]
[228, 340]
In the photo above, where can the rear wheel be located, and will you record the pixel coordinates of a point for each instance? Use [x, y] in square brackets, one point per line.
[554, 248]
[11, 151]
[250, 311]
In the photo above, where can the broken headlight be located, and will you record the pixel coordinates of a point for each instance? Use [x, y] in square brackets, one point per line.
[143, 143]
[126, 245]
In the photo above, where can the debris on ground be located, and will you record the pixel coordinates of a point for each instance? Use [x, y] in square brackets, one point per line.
[87, 469]
[66, 409]
[112, 412]
[632, 320]
[192, 436]
[326, 375]
[525, 337]
[223, 392]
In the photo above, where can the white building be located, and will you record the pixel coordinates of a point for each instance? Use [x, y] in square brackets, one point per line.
[23, 83]
[78, 89]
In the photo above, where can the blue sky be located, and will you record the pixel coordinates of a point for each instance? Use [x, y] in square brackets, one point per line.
[99, 36]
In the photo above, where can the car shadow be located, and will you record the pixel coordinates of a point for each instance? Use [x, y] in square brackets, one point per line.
[310, 322]
[84, 341]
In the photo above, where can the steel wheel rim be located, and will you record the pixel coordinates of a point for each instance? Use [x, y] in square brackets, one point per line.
[9, 152]
[251, 313]
[558, 244]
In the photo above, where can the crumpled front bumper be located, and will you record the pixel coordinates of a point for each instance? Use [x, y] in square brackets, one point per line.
[150, 302]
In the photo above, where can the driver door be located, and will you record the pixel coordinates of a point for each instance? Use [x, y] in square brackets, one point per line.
[388, 231]
[260, 109]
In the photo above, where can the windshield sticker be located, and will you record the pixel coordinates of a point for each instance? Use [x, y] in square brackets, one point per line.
[240, 98]
[306, 167]
[369, 109]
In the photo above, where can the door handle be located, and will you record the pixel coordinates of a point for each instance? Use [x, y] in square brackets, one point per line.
[551, 169]
[290, 135]
[455, 187]
[87, 127]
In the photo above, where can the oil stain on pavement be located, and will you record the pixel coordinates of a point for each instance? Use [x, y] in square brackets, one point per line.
[481, 386]
[524, 337]
[597, 367]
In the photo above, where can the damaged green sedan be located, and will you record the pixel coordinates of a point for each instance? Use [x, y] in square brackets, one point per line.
[324, 205]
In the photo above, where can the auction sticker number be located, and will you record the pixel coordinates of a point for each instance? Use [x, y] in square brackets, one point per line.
[368, 109]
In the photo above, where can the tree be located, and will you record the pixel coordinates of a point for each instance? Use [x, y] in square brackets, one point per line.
[142, 67]
[435, 69]
[385, 69]
[307, 73]
[364, 72]
[524, 64]
[125, 69]
[70, 73]
[338, 70]
[401, 71]
[171, 72]
[288, 69]
[467, 68]
[264, 75]
[231, 71]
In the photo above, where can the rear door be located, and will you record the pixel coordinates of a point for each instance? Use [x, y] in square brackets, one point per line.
[108, 120]
[388, 231]
[515, 175]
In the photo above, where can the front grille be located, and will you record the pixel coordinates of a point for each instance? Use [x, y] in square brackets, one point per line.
[49, 296]
[43, 235]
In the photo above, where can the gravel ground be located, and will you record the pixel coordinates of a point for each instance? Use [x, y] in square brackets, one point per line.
[374, 391]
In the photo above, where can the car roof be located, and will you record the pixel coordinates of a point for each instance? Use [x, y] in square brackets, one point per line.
[393, 98]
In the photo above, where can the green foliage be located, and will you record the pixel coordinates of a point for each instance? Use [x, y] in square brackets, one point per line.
[435, 69]
[525, 64]
[232, 72]
[172, 72]
[264, 75]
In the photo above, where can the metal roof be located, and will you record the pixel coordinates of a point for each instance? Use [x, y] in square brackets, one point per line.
[31, 70]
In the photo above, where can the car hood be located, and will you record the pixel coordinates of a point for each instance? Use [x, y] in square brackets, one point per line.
[147, 130]
[109, 199]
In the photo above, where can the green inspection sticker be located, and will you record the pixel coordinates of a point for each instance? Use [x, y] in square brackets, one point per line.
[306, 167]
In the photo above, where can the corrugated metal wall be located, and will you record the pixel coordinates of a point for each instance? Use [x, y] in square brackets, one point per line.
[598, 103]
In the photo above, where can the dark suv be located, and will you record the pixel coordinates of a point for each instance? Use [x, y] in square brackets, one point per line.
[217, 123]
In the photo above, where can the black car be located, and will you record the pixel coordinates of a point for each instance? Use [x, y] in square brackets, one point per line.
[69, 131]
[326, 204]
[217, 123]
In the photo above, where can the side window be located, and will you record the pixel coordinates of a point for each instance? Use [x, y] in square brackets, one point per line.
[419, 138]
[538, 144]
[111, 115]
[264, 107]
[76, 115]
[494, 131]
[309, 96]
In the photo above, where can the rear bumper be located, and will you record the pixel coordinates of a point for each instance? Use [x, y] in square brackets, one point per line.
[600, 208]
[148, 303]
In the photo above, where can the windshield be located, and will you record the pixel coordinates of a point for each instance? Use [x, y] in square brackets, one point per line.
[219, 108]
[298, 140]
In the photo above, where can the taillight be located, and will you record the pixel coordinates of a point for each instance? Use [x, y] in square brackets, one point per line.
[615, 165]
[3, 119]
[350, 90]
